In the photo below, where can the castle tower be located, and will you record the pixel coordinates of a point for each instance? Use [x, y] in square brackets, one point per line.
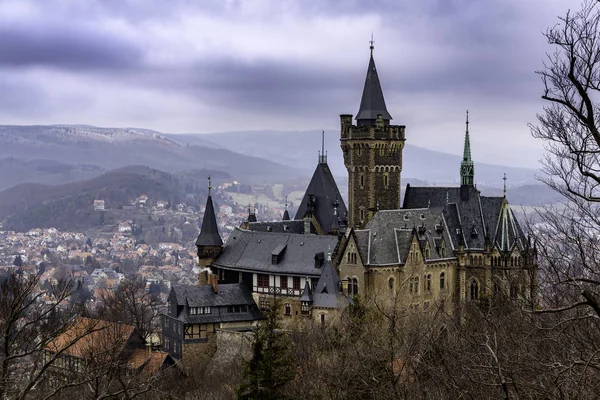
[467, 170]
[209, 241]
[372, 154]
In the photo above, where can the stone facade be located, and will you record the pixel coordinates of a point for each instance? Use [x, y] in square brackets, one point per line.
[373, 158]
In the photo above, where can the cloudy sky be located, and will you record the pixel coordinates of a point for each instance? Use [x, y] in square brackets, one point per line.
[230, 65]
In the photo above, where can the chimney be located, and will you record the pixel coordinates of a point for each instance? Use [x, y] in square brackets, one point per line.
[213, 281]
[203, 277]
[345, 286]
[307, 226]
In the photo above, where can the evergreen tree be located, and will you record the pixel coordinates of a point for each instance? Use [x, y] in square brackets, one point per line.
[272, 364]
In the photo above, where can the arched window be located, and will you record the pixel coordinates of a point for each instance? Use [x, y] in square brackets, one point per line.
[474, 290]
[355, 286]
[442, 280]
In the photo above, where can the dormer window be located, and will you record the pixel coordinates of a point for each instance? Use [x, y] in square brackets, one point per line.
[319, 259]
[277, 254]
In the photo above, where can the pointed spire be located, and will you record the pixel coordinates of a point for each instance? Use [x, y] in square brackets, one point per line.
[209, 233]
[467, 170]
[323, 154]
[286, 214]
[372, 103]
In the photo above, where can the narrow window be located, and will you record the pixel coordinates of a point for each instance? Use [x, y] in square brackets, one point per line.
[288, 309]
[362, 181]
[391, 284]
[283, 282]
[355, 286]
[474, 290]
[296, 283]
[386, 180]
[428, 283]
[442, 280]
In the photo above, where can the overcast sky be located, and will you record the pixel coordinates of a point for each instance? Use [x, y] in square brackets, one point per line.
[229, 65]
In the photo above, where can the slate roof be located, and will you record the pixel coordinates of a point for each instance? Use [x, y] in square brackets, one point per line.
[470, 221]
[325, 191]
[372, 101]
[247, 250]
[209, 232]
[286, 215]
[387, 237]
[293, 226]
[508, 232]
[328, 290]
[231, 294]
[306, 293]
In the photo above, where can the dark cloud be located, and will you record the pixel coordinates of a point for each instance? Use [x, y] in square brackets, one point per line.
[63, 45]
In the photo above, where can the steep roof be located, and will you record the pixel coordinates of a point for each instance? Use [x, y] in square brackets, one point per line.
[325, 193]
[286, 215]
[508, 233]
[293, 226]
[387, 237]
[469, 221]
[372, 102]
[88, 337]
[233, 294]
[251, 251]
[328, 290]
[209, 233]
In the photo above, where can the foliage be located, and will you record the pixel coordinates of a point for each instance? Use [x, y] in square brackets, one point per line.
[272, 364]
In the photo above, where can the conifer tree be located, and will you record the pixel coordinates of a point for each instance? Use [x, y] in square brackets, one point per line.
[272, 364]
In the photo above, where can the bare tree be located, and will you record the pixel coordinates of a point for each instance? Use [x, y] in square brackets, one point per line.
[31, 318]
[132, 304]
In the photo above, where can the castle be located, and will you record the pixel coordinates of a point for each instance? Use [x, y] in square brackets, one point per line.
[443, 247]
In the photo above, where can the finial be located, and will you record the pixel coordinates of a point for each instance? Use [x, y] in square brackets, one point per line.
[428, 203]
[209, 185]
[329, 253]
[371, 44]
[504, 179]
[323, 154]
[286, 203]
[467, 120]
[447, 197]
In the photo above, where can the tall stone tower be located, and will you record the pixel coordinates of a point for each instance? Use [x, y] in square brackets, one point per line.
[372, 154]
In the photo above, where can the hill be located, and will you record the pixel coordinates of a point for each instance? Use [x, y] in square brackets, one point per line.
[70, 206]
[300, 148]
[110, 148]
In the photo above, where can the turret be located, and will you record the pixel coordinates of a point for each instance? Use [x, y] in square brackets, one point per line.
[209, 241]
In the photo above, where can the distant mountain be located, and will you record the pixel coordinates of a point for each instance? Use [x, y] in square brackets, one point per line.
[14, 171]
[300, 149]
[70, 206]
[110, 148]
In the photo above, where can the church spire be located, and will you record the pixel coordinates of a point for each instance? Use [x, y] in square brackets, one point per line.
[467, 170]
[372, 103]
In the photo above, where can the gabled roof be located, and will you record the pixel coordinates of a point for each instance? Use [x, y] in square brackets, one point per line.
[325, 191]
[229, 294]
[251, 251]
[471, 220]
[88, 337]
[387, 237]
[372, 102]
[209, 233]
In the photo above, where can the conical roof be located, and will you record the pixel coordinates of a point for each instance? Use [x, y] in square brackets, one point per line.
[372, 102]
[209, 233]
[328, 290]
[286, 215]
[325, 193]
